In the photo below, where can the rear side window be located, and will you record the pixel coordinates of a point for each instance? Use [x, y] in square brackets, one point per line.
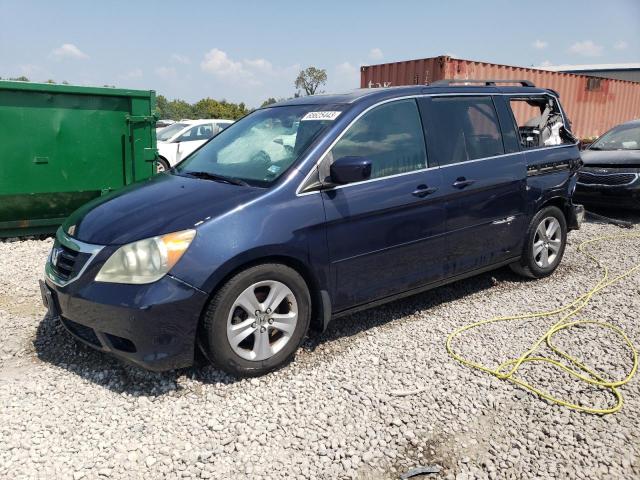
[199, 132]
[540, 122]
[391, 136]
[460, 129]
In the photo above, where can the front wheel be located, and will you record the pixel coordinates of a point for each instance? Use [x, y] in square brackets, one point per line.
[257, 320]
[544, 244]
[162, 165]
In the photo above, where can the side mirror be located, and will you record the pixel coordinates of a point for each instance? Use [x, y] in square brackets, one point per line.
[350, 169]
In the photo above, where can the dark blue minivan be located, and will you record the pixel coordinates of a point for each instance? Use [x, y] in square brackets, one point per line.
[313, 208]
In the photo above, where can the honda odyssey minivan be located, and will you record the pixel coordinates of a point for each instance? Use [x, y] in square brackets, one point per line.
[313, 208]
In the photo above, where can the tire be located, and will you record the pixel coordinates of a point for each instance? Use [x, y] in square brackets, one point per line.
[268, 337]
[538, 240]
[162, 165]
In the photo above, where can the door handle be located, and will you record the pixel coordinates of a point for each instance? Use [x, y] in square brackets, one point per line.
[462, 182]
[422, 191]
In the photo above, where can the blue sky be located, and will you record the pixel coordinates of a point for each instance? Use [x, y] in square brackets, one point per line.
[251, 50]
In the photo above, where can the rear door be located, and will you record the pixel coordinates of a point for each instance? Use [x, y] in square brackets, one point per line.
[484, 182]
[385, 235]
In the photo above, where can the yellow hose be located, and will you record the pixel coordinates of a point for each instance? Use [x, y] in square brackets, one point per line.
[508, 369]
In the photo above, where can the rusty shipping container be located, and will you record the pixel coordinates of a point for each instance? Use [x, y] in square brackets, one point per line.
[593, 104]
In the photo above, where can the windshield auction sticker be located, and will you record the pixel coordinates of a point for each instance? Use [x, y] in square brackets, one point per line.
[321, 116]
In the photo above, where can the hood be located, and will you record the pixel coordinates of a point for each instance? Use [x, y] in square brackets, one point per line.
[621, 158]
[165, 203]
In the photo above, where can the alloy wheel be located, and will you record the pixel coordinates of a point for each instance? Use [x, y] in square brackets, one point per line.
[262, 320]
[547, 242]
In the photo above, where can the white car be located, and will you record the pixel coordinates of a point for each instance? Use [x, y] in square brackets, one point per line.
[177, 141]
[163, 123]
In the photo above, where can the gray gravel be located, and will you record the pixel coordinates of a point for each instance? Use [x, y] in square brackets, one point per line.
[371, 398]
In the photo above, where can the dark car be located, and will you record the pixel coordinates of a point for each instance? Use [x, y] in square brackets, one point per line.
[611, 173]
[311, 209]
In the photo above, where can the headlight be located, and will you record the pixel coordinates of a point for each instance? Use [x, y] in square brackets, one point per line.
[145, 261]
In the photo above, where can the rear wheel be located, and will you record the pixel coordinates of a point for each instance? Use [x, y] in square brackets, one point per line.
[257, 320]
[544, 244]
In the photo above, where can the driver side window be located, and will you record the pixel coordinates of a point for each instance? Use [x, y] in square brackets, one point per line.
[390, 136]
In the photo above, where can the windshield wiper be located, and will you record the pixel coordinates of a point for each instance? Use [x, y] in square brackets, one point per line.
[218, 178]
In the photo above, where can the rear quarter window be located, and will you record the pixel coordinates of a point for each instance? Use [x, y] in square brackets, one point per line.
[540, 122]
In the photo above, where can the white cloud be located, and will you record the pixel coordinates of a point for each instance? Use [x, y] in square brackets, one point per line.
[346, 76]
[546, 63]
[621, 45]
[586, 48]
[540, 44]
[252, 72]
[183, 59]
[166, 72]
[68, 50]
[376, 54]
[259, 64]
[135, 73]
[219, 64]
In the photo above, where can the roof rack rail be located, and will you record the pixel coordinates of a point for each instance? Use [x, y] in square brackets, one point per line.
[492, 82]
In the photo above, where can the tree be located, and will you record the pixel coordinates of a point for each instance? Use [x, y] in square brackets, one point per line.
[179, 109]
[52, 82]
[269, 101]
[210, 108]
[310, 79]
[21, 78]
[161, 106]
[204, 108]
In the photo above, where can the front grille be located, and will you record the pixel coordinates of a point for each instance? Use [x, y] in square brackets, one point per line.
[63, 264]
[82, 331]
[610, 178]
[68, 262]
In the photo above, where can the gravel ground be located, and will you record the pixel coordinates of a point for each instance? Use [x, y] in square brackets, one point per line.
[69, 412]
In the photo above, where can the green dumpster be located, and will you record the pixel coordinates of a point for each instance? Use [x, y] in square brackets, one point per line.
[61, 146]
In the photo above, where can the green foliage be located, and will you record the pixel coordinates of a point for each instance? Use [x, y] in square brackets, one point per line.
[310, 79]
[21, 78]
[178, 109]
[210, 108]
[161, 106]
[269, 101]
[205, 108]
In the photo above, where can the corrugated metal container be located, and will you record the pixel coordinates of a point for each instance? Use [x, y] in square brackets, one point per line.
[61, 146]
[594, 105]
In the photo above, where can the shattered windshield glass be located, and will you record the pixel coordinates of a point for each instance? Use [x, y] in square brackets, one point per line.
[260, 147]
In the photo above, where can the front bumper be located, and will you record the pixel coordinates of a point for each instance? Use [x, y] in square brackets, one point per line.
[610, 198]
[614, 188]
[153, 325]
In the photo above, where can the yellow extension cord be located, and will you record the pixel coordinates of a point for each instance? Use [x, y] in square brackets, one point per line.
[508, 369]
